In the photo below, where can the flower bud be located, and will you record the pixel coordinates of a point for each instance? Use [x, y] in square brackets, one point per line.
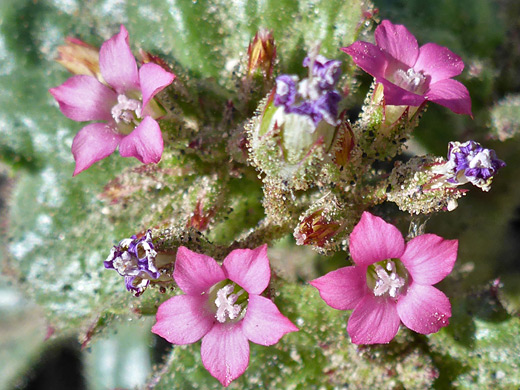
[80, 58]
[315, 229]
[200, 218]
[346, 142]
[262, 53]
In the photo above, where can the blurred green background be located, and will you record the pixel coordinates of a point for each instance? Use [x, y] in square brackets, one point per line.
[55, 294]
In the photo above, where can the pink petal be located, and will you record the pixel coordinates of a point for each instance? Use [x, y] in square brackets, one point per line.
[225, 352]
[373, 321]
[195, 273]
[344, 288]
[451, 94]
[263, 323]
[438, 62]
[368, 57]
[397, 96]
[117, 63]
[429, 258]
[424, 309]
[397, 41]
[373, 240]
[153, 79]
[83, 98]
[145, 142]
[249, 268]
[94, 142]
[183, 319]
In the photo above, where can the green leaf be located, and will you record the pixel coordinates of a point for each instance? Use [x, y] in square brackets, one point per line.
[122, 360]
[477, 349]
[505, 118]
[22, 336]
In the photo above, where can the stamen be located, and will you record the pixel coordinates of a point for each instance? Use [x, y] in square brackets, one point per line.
[126, 110]
[225, 303]
[124, 263]
[388, 283]
[410, 80]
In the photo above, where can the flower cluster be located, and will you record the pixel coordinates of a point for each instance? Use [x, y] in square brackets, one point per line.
[134, 258]
[223, 306]
[412, 75]
[295, 135]
[125, 106]
[315, 96]
[391, 282]
[470, 162]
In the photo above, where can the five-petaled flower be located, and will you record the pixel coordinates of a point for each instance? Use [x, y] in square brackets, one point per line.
[222, 305]
[391, 282]
[412, 75]
[125, 106]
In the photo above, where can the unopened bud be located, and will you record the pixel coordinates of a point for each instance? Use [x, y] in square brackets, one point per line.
[345, 143]
[80, 58]
[262, 53]
[200, 218]
[315, 229]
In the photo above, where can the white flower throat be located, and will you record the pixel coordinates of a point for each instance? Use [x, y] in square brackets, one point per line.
[387, 278]
[410, 80]
[227, 308]
[126, 110]
[388, 281]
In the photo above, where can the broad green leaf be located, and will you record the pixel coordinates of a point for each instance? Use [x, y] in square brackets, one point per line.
[505, 118]
[478, 349]
[121, 360]
[22, 337]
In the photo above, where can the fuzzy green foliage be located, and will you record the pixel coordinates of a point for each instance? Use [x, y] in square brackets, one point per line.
[505, 118]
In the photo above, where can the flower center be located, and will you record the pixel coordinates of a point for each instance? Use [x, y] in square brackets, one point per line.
[125, 264]
[410, 80]
[126, 110]
[387, 278]
[230, 301]
[481, 160]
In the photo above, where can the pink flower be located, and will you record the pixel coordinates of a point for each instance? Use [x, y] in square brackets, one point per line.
[125, 106]
[223, 306]
[391, 282]
[411, 75]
